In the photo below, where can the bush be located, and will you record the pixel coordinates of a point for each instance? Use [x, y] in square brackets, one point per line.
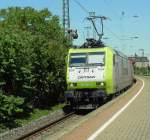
[9, 107]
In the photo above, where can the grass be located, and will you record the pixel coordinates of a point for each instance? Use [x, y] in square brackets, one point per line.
[37, 113]
[34, 115]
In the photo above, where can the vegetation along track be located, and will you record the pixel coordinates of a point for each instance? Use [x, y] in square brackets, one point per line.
[41, 130]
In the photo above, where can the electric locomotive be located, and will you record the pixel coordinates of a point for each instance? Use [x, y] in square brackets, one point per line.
[95, 73]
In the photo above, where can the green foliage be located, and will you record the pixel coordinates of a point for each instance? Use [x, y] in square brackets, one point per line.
[9, 105]
[142, 71]
[32, 59]
[37, 113]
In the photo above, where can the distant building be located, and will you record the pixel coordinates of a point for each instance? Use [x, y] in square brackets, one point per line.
[139, 62]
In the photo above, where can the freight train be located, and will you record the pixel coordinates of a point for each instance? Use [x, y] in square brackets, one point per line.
[95, 74]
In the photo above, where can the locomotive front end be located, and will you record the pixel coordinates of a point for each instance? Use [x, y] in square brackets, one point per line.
[85, 76]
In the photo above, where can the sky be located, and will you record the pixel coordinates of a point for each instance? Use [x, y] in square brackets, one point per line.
[127, 19]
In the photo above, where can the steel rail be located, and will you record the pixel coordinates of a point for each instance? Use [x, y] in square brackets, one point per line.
[46, 127]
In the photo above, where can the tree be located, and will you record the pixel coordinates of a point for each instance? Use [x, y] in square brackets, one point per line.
[32, 56]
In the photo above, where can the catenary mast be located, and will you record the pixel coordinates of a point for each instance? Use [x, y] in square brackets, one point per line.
[72, 34]
[66, 15]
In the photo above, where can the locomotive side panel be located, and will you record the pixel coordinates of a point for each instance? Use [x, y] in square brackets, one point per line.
[123, 72]
[109, 72]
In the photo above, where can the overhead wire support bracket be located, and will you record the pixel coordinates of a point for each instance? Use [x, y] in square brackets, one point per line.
[91, 18]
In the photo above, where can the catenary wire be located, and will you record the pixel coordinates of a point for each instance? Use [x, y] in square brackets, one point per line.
[81, 6]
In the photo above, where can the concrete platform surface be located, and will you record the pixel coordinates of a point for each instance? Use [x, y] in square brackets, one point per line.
[134, 122]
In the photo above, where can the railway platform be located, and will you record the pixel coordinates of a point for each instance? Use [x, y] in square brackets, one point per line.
[128, 118]
[134, 122]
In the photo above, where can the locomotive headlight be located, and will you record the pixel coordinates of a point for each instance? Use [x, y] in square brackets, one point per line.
[73, 84]
[102, 84]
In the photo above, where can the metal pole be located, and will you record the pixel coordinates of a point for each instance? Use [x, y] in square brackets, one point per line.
[87, 28]
[94, 20]
[66, 15]
[142, 59]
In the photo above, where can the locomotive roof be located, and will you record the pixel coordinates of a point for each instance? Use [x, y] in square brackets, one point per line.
[103, 49]
[77, 50]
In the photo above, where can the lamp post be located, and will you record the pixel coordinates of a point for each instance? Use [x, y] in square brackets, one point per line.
[142, 56]
[148, 55]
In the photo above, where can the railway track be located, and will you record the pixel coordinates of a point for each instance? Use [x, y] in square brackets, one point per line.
[45, 128]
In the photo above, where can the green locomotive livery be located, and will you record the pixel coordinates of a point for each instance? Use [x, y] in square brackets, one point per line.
[94, 74]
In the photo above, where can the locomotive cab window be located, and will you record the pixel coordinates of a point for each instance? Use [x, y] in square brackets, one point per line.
[78, 59]
[97, 58]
